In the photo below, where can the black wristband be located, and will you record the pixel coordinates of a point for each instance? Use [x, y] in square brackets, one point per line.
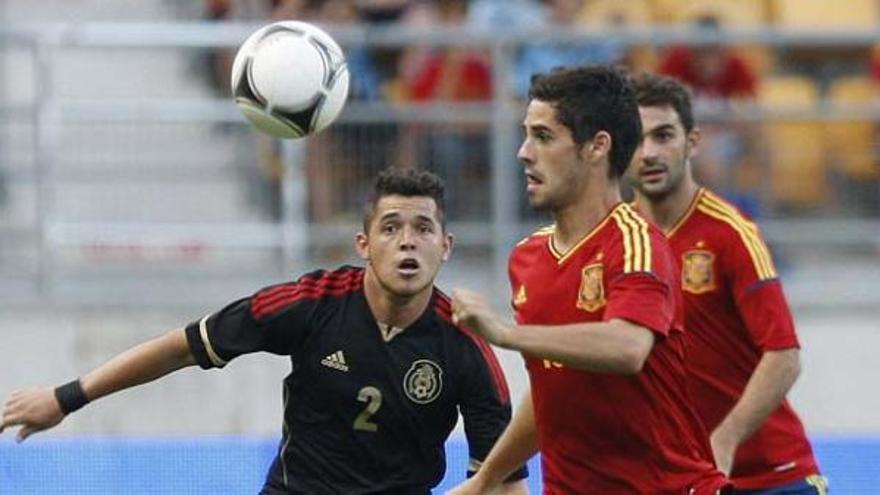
[71, 396]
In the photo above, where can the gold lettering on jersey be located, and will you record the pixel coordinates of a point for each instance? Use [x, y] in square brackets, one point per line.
[552, 364]
[520, 298]
[697, 274]
[591, 296]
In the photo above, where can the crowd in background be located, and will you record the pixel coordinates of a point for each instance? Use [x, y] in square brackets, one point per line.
[734, 159]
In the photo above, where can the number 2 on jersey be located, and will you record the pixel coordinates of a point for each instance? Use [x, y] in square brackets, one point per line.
[373, 397]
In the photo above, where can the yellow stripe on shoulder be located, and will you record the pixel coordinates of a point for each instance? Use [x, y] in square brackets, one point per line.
[644, 236]
[542, 232]
[719, 209]
[636, 242]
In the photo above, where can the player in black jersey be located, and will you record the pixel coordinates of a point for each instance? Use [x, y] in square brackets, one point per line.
[379, 371]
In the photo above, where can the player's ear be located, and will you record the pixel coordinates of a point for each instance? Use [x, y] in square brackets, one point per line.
[362, 245]
[448, 241]
[598, 146]
[693, 140]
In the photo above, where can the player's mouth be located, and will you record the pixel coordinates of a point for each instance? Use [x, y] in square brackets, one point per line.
[532, 181]
[653, 174]
[408, 267]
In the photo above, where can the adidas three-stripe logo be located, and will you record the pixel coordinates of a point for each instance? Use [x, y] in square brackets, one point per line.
[335, 361]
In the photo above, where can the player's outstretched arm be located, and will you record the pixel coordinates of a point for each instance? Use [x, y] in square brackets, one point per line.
[39, 409]
[513, 449]
[770, 382]
[614, 346]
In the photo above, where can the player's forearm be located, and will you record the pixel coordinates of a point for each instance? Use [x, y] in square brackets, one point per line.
[764, 393]
[614, 346]
[140, 364]
[514, 448]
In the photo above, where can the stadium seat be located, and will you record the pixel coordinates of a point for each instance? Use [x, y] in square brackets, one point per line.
[794, 148]
[808, 14]
[614, 12]
[741, 13]
[851, 142]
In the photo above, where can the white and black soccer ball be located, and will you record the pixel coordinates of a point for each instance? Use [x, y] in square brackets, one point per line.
[290, 79]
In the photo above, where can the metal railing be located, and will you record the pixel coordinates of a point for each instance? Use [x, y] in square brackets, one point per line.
[50, 116]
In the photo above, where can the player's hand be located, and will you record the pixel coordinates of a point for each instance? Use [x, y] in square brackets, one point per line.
[723, 449]
[34, 409]
[470, 309]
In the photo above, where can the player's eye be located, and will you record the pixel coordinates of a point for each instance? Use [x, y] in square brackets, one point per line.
[664, 136]
[426, 228]
[389, 228]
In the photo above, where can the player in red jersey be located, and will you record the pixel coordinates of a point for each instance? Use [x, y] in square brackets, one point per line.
[379, 373]
[743, 351]
[598, 310]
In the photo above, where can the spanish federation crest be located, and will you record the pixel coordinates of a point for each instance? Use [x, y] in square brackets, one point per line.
[423, 382]
[697, 275]
[591, 295]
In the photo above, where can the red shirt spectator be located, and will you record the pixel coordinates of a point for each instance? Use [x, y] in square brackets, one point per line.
[711, 71]
[453, 75]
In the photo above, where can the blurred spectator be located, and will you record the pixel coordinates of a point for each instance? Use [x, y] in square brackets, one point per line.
[457, 152]
[711, 70]
[455, 73]
[343, 157]
[720, 78]
[543, 56]
[216, 64]
[374, 70]
[874, 64]
[504, 14]
[382, 11]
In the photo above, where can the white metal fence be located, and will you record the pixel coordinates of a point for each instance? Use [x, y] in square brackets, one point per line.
[124, 173]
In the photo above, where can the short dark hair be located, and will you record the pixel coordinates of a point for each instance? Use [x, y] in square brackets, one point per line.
[593, 98]
[409, 183]
[654, 90]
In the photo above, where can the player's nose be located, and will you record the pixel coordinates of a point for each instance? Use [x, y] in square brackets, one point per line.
[407, 238]
[525, 154]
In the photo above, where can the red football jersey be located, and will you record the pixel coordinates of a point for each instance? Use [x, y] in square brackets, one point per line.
[602, 432]
[735, 309]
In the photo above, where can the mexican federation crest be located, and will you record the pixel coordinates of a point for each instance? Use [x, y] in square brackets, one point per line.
[697, 275]
[591, 295]
[423, 382]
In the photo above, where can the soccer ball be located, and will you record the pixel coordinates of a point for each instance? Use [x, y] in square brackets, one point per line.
[290, 79]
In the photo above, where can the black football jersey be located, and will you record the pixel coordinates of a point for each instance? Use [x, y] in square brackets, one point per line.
[365, 410]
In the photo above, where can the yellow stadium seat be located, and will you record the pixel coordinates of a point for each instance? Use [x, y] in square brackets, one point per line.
[794, 148]
[615, 12]
[850, 142]
[827, 14]
[735, 13]
[761, 59]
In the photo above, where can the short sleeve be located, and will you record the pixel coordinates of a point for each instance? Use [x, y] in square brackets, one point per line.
[765, 312]
[247, 326]
[757, 291]
[643, 299]
[748, 259]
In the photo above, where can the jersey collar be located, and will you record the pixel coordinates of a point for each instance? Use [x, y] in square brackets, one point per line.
[562, 256]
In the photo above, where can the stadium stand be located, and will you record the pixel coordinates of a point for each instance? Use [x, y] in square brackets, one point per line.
[794, 148]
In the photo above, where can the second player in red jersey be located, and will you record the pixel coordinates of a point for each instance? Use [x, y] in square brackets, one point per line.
[599, 311]
[743, 352]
